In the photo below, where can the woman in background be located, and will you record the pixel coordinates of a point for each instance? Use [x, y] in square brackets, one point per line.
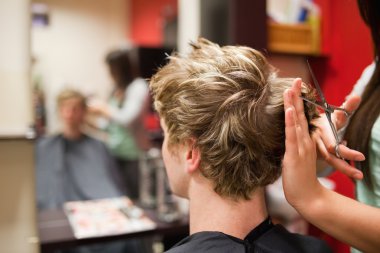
[126, 108]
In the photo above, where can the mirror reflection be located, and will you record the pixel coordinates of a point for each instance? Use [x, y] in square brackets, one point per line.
[98, 137]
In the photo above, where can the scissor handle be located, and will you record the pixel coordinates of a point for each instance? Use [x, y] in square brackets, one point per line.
[337, 153]
[346, 113]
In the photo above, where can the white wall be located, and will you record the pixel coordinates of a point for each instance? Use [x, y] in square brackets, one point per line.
[17, 212]
[15, 94]
[189, 23]
[72, 48]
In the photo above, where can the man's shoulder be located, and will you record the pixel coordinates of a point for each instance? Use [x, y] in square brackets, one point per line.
[47, 141]
[275, 240]
[208, 242]
[278, 239]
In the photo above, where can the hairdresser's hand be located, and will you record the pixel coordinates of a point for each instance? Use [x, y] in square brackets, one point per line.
[299, 165]
[325, 141]
[98, 107]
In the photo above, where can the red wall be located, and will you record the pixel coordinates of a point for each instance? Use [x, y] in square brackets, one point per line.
[147, 21]
[346, 43]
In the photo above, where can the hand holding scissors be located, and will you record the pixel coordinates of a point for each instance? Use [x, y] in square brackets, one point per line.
[341, 116]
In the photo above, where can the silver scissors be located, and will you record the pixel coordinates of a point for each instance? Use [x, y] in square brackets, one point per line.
[329, 109]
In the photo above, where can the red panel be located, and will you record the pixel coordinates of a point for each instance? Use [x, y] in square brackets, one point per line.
[348, 45]
[147, 20]
[325, 9]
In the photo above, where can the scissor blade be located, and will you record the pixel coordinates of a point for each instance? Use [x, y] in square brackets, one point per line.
[319, 104]
[333, 129]
[316, 84]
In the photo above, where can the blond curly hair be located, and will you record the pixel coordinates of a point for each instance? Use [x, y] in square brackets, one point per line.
[67, 94]
[229, 100]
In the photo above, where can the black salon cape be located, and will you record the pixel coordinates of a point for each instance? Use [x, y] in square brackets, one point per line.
[265, 238]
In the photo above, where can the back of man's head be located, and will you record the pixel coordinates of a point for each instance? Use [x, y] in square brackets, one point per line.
[229, 100]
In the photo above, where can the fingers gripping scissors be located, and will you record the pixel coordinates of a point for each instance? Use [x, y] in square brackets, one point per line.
[329, 109]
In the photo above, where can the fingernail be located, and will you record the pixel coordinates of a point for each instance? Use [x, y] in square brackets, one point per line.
[358, 175]
[290, 94]
[359, 158]
[290, 113]
[299, 82]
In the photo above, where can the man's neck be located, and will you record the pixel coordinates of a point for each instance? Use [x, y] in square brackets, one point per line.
[210, 212]
[72, 134]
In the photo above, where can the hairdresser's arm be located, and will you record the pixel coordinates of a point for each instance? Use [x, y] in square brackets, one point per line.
[135, 102]
[341, 217]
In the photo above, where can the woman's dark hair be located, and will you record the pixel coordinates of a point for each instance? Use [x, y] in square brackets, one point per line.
[123, 65]
[359, 130]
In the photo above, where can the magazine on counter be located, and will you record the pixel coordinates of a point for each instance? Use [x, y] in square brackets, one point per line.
[95, 218]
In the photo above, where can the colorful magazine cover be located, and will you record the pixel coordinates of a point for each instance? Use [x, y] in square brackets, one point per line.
[95, 218]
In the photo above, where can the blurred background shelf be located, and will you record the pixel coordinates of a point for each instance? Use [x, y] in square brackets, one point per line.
[295, 39]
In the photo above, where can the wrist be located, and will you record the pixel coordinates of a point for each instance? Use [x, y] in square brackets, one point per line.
[312, 206]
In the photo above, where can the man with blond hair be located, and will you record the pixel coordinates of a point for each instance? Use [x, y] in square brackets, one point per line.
[70, 165]
[222, 113]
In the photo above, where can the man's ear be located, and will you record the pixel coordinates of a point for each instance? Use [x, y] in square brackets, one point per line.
[193, 157]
